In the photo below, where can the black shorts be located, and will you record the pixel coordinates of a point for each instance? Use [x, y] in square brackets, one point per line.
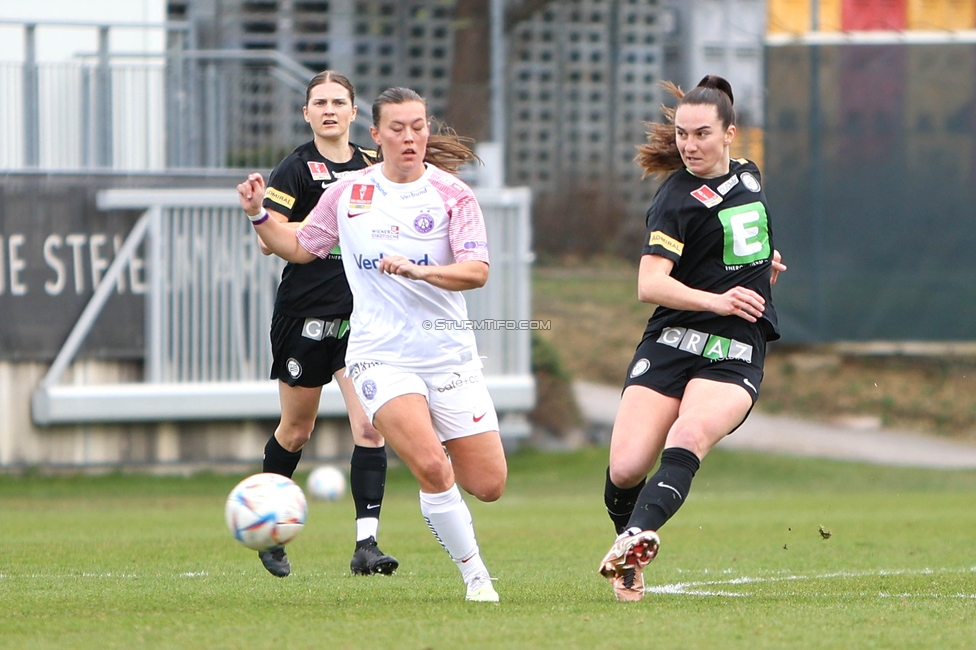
[667, 360]
[307, 351]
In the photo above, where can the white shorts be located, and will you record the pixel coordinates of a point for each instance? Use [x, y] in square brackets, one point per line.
[459, 402]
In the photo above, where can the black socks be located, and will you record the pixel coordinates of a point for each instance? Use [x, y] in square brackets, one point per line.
[620, 502]
[666, 491]
[279, 460]
[367, 480]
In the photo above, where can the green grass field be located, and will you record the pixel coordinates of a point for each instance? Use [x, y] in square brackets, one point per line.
[126, 561]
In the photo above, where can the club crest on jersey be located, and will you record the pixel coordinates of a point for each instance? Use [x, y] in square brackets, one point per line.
[361, 199]
[750, 182]
[707, 195]
[424, 223]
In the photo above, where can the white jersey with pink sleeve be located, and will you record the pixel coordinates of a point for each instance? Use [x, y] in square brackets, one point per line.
[435, 220]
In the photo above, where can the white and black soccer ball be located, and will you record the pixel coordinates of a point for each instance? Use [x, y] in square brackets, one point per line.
[265, 510]
[327, 483]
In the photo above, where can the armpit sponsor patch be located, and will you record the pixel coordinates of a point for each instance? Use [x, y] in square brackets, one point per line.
[658, 238]
[280, 197]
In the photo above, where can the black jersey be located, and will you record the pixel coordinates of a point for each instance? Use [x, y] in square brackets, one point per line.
[318, 288]
[717, 232]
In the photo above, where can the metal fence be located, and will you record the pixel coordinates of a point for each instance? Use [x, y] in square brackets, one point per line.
[209, 303]
[177, 108]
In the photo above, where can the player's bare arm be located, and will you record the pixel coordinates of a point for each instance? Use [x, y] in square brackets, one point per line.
[277, 237]
[460, 276]
[656, 286]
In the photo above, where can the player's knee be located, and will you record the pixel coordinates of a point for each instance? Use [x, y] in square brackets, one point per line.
[689, 434]
[626, 475]
[491, 490]
[434, 470]
[293, 436]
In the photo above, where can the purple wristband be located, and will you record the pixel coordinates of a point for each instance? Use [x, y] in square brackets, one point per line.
[259, 218]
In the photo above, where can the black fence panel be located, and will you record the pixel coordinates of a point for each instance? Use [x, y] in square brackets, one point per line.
[870, 167]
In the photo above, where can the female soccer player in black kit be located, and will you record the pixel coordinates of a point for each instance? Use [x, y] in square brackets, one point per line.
[310, 325]
[708, 264]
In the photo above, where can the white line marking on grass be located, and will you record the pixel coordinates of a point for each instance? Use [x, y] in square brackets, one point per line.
[702, 588]
[882, 594]
[102, 576]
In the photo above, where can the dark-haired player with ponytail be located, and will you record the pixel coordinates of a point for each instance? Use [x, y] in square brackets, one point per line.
[708, 264]
[310, 324]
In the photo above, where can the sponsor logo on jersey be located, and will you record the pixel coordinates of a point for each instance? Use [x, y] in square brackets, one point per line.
[640, 367]
[746, 230]
[393, 232]
[750, 182]
[415, 193]
[658, 238]
[724, 188]
[280, 197]
[707, 195]
[361, 199]
[320, 172]
[471, 245]
[368, 264]
[424, 223]
[706, 345]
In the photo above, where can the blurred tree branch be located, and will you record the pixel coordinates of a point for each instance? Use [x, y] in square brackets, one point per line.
[468, 109]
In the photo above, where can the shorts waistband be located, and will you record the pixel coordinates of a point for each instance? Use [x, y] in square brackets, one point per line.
[356, 369]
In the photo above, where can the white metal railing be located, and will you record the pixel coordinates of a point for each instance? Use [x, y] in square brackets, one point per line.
[173, 107]
[209, 304]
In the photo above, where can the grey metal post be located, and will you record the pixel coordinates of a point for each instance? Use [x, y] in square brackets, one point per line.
[498, 77]
[86, 108]
[176, 106]
[103, 102]
[32, 121]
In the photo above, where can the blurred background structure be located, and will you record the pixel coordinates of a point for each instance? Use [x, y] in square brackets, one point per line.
[861, 113]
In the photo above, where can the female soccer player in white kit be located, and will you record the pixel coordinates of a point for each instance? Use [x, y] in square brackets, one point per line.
[412, 238]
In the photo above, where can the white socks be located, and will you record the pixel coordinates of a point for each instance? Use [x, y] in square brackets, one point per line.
[366, 528]
[449, 519]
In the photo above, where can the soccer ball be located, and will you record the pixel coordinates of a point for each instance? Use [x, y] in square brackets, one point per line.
[265, 510]
[327, 483]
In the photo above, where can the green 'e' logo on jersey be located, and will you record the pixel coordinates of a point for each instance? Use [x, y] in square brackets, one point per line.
[746, 233]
